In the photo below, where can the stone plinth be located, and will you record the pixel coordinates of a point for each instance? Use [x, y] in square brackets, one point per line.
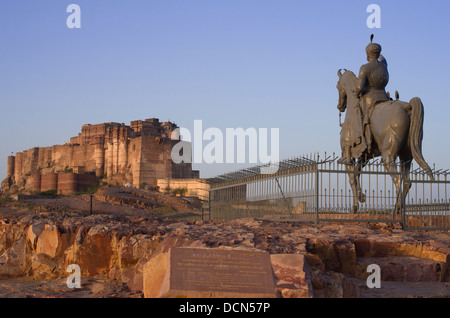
[215, 273]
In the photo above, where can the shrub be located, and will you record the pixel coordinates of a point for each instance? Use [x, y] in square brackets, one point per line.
[93, 188]
[49, 193]
[181, 191]
[4, 200]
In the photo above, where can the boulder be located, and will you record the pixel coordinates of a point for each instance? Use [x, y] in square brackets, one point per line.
[14, 262]
[51, 242]
[33, 232]
[325, 250]
[133, 277]
[293, 279]
[44, 267]
[338, 256]
[154, 275]
[346, 254]
[314, 262]
[334, 285]
[95, 253]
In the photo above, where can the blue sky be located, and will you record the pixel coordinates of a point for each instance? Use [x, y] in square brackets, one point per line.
[233, 63]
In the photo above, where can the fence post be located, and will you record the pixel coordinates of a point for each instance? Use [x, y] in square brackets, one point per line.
[282, 193]
[317, 194]
[403, 198]
[209, 205]
[90, 203]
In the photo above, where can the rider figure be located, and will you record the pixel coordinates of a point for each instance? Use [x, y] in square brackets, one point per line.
[370, 90]
[372, 81]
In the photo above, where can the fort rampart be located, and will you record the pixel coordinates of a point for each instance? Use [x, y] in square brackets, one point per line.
[139, 153]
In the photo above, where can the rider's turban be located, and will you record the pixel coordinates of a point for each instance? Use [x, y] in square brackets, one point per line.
[373, 49]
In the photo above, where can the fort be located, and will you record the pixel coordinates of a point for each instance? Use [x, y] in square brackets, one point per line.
[137, 154]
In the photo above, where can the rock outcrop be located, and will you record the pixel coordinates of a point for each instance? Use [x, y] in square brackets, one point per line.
[118, 248]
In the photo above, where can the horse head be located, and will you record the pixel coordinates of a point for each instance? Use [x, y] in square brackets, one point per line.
[345, 86]
[342, 105]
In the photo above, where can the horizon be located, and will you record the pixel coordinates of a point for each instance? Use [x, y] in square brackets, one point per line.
[235, 64]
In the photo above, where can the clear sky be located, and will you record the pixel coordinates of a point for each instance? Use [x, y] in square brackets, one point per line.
[230, 63]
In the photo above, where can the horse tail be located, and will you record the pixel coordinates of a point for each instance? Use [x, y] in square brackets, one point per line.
[416, 134]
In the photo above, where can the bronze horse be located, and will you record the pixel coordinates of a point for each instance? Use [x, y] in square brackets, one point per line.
[397, 129]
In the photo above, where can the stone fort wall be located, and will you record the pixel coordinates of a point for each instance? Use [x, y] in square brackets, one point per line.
[116, 153]
[63, 183]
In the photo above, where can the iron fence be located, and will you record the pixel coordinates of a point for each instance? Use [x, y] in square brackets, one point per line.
[310, 189]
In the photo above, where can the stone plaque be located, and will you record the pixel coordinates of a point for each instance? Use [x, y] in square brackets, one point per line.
[220, 273]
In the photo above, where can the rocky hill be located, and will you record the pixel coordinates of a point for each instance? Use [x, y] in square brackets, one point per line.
[113, 245]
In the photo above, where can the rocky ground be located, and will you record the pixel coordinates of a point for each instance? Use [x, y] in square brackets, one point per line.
[41, 237]
[111, 201]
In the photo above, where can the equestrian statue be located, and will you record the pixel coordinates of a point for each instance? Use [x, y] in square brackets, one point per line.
[375, 125]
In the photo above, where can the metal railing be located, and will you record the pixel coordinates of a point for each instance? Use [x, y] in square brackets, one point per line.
[310, 189]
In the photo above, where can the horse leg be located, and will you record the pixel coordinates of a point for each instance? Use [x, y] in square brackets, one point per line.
[353, 179]
[405, 161]
[390, 166]
[389, 155]
[360, 165]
